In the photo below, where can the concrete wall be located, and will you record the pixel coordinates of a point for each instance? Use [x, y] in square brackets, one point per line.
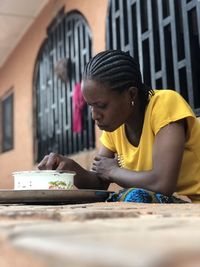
[17, 73]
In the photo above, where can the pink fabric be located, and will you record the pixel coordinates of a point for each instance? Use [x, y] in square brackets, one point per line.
[78, 105]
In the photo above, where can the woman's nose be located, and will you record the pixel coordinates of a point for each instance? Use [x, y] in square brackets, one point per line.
[95, 114]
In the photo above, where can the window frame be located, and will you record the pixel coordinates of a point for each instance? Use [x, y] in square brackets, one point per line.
[164, 37]
[7, 109]
[68, 36]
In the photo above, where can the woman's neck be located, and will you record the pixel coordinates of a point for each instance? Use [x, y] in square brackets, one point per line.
[134, 126]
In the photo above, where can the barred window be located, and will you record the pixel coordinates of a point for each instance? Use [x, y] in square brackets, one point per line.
[164, 36]
[7, 138]
[68, 37]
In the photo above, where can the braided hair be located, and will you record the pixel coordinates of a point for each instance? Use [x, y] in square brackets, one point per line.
[118, 71]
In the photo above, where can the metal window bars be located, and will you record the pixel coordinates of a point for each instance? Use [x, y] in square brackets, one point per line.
[68, 36]
[164, 36]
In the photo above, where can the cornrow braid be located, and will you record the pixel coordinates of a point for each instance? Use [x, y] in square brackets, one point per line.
[118, 71]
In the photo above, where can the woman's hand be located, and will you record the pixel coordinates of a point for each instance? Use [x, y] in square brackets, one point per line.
[104, 166]
[55, 161]
[83, 179]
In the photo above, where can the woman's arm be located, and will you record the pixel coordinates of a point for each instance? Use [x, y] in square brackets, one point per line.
[167, 157]
[83, 178]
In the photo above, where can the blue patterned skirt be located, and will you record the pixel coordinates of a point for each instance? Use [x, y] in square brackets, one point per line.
[139, 195]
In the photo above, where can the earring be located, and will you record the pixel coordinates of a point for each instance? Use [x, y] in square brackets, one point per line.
[132, 103]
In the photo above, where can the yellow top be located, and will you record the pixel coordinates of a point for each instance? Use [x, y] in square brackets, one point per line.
[165, 106]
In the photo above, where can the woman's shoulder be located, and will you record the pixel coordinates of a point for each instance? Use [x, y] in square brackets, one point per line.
[166, 93]
[167, 97]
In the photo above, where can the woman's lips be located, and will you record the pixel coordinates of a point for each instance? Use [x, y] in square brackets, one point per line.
[100, 125]
[103, 127]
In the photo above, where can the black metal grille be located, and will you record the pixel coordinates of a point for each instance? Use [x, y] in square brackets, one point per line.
[164, 36]
[68, 36]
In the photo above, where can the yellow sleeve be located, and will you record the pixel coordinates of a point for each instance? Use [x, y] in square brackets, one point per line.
[168, 106]
[107, 141]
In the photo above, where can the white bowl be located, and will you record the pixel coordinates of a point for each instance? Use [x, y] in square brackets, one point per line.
[43, 180]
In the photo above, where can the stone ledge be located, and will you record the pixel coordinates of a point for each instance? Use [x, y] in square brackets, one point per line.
[100, 235]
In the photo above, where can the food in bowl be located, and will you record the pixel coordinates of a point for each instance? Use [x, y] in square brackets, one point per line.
[43, 180]
[59, 185]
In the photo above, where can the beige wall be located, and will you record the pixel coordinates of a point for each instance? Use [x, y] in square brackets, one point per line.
[17, 72]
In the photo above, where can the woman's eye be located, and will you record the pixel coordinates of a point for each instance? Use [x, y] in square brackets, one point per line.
[102, 106]
[99, 106]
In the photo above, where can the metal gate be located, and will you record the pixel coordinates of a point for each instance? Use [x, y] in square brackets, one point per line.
[164, 36]
[68, 36]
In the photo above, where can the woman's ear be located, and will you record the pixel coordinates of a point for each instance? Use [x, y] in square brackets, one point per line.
[133, 92]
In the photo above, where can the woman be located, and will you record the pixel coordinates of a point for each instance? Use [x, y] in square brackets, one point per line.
[150, 137]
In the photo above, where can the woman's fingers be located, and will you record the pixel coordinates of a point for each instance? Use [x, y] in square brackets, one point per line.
[94, 168]
[49, 162]
[53, 161]
[42, 164]
[63, 165]
[98, 158]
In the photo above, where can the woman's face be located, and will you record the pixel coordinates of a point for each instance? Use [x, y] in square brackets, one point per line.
[109, 108]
